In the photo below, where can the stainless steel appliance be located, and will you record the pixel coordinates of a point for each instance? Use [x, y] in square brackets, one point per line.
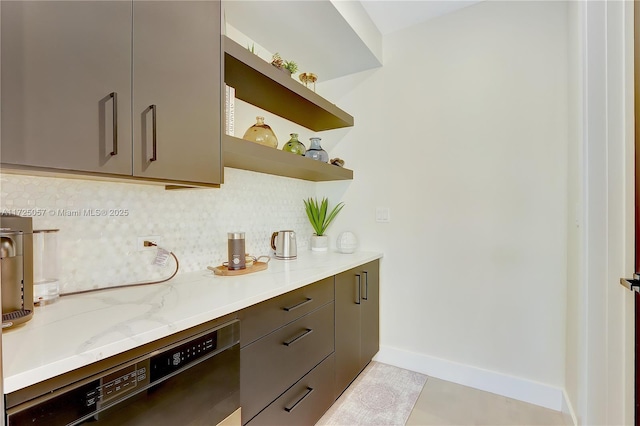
[285, 245]
[16, 256]
[190, 378]
[237, 253]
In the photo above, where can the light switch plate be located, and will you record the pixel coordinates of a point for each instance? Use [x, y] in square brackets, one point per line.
[383, 215]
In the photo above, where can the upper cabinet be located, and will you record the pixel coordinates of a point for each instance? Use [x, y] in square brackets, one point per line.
[112, 89]
[66, 85]
[177, 81]
[261, 84]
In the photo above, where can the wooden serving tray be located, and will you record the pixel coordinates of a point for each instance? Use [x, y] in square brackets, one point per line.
[224, 271]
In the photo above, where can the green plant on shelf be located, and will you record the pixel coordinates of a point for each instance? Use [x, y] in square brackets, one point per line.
[317, 213]
[281, 64]
[291, 66]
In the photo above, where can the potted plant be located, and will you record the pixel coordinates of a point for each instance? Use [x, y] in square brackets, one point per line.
[291, 66]
[286, 66]
[320, 221]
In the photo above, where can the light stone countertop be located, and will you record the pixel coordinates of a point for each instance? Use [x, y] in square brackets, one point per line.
[78, 330]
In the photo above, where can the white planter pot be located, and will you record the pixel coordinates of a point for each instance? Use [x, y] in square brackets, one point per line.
[319, 243]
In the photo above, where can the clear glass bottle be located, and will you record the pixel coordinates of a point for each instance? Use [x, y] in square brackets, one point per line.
[261, 133]
[316, 152]
[46, 285]
[294, 145]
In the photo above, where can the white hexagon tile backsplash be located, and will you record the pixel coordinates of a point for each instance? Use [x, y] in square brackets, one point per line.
[99, 249]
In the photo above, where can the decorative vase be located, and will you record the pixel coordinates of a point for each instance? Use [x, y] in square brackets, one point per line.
[308, 77]
[319, 242]
[316, 152]
[294, 145]
[261, 133]
[346, 242]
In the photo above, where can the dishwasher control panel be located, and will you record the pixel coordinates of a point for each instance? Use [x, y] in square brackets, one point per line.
[175, 359]
[116, 384]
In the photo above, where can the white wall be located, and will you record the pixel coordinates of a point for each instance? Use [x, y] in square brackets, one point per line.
[464, 134]
[576, 293]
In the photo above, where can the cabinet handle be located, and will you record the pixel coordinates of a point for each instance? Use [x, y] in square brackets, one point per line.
[296, 306]
[305, 333]
[305, 394]
[366, 285]
[359, 299]
[114, 97]
[154, 132]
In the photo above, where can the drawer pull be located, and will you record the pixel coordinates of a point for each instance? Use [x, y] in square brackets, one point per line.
[307, 392]
[305, 333]
[366, 285]
[114, 125]
[358, 290]
[291, 308]
[154, 133]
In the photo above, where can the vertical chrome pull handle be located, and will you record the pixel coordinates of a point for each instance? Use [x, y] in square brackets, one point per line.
[366, 285]
[359, 299]
[154, 132]
[114, 98]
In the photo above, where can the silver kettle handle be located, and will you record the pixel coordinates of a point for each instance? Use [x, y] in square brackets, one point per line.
[273, 240]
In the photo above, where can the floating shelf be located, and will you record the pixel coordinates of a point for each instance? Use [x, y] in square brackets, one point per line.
[246, 155]
[261, 84]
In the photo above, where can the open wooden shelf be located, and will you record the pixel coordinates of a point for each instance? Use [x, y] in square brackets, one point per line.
[261, 84]
[246, 155]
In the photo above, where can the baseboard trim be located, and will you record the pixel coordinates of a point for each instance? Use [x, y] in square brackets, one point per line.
[486, 380]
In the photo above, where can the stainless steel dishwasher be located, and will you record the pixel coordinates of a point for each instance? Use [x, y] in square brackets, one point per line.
[190, 378]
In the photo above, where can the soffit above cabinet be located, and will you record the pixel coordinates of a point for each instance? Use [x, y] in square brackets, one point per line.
[330, 40]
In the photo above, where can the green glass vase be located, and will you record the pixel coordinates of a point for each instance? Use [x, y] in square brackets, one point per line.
[294, 146]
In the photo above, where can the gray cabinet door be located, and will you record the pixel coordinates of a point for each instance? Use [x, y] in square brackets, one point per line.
[304, 402]
[357, 321]
[177, 81]
[370, 315]
[347, 334]
[61, 61]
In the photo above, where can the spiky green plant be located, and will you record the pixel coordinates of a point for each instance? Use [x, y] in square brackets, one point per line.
[291, 66]
[317, 213]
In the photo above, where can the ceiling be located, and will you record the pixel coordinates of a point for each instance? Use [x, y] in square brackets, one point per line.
[394, 15]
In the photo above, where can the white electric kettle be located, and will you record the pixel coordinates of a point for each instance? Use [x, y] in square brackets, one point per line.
[284, 244]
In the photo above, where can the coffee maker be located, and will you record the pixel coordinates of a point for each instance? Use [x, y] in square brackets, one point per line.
[16, 280]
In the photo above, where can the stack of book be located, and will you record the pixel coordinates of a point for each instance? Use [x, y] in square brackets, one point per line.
[229, 107]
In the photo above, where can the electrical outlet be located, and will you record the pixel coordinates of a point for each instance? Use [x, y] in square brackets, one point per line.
[140, 244]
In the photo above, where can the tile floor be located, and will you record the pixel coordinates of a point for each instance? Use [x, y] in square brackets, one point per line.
[444, 403]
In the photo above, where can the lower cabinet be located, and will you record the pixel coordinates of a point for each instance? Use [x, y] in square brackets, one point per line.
[285, 353]
[305, 402]
[300, 350]
[357, 322]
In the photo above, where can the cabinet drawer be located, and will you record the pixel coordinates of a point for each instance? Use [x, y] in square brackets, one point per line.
[261, 319]
[305, 402]
[272, 364]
